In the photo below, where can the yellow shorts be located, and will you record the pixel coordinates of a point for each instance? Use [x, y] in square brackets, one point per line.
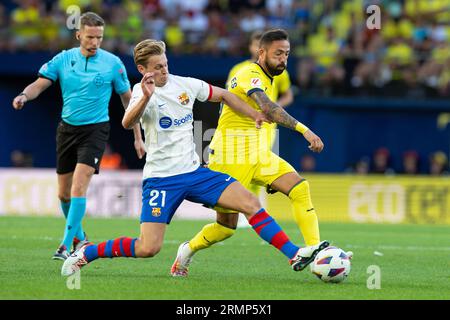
[254, 188]
[263, 172]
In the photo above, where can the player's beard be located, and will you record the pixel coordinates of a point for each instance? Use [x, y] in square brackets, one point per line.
[275, 70]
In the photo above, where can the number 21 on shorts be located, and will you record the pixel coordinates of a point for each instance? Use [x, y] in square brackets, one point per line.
[155, 196]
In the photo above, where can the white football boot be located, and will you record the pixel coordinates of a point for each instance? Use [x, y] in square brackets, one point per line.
[74, 262]
[182, 261]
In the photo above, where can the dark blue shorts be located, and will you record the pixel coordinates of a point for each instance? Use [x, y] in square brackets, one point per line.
[162, 196]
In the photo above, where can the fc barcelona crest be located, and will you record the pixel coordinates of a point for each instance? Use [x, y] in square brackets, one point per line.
[156, 212]
[183, 98]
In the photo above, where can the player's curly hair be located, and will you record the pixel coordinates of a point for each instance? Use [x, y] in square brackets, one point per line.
[146, 48]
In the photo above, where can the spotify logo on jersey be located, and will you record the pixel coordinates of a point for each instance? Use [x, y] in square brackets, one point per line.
[165, 122]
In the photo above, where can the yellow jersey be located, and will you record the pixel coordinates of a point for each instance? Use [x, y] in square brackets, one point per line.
[274, 86]
[281, 83]
[248, 79]
[238, 148]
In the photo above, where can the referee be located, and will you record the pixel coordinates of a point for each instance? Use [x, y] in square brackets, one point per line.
[87, 76]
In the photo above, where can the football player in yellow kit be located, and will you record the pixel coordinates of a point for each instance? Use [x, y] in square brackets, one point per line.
[243, 152]
[282, 94]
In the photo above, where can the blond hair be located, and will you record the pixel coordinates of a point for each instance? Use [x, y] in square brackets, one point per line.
[147, 48]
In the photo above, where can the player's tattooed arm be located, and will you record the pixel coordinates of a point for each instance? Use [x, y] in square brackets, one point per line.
[273, 111]
[234, 102]
[277, 114]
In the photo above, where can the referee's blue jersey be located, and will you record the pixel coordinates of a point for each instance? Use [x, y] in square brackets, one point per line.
[86, 84]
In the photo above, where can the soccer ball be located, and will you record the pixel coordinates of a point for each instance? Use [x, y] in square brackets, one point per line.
[331, 264]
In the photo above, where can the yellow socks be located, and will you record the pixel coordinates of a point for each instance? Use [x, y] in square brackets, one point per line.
[304, 213]
[210, 234]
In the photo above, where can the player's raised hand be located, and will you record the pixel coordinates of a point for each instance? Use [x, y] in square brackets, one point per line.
[148, 84]
[19, 101]
[316, 144]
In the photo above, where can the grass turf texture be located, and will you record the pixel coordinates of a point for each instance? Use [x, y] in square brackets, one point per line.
[414, 265]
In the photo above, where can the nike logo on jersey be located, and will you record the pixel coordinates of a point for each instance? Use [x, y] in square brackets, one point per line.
[161, 105]
[228, 179]
[95, 160]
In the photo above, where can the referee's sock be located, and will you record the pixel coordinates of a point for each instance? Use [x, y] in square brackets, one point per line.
[65, 206]
[73, 222]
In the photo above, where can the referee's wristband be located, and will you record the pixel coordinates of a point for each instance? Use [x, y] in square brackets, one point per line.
[300, 127]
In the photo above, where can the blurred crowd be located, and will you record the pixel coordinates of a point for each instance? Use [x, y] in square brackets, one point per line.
[381, 163]
[409, 55]
[334, 50]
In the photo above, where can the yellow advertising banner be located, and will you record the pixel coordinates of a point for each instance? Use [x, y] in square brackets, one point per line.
[372, 199]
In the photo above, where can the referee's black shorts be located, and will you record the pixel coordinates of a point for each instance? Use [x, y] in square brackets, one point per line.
[80, 144]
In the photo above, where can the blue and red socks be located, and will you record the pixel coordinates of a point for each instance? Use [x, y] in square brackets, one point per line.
[120, 247]
[268, 229]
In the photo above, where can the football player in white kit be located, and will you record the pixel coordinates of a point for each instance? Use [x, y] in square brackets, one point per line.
[163, 104]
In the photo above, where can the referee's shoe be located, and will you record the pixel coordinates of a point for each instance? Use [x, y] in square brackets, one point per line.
[61, 253]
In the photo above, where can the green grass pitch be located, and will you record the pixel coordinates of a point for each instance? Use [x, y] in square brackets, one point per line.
[415, 264]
